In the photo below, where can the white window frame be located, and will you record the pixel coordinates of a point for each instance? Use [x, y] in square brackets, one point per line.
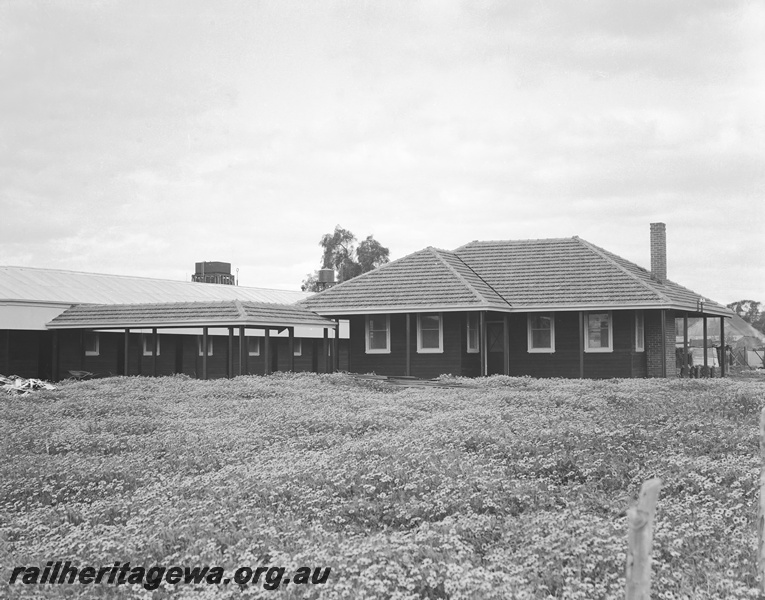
[97, 338]
[440, 349]
[639, 331]
[249, 351]
[369, 350]
[530, 338]
[610, 347]
[209, 345]
[147, 349]
[477, 317]
[298, 349]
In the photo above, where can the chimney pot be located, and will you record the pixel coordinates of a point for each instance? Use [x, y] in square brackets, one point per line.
[659, 251]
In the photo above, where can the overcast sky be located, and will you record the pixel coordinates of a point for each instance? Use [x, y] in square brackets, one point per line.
[140, 137]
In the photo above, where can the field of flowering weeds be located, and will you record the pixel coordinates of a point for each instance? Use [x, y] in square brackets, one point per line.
[514, 489]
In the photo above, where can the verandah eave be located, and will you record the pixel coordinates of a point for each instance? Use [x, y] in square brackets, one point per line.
[381, 310]
[282, 325]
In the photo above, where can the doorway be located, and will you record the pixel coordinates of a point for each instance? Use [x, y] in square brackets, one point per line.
[495, 347]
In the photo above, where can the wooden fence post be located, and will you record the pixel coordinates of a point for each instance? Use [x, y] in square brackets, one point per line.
[761, 508]
[640, 541]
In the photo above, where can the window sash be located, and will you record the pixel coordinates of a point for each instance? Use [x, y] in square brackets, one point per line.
[377, 334]
[541, 332]
[91, 343]
[209, 345]
[473, 339]
[430, 333]
[599, 332]
[298, 350]
[253, 346]
[148, 344]
[640, 331]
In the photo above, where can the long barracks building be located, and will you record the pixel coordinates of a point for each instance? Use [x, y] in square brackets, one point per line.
[559, 307]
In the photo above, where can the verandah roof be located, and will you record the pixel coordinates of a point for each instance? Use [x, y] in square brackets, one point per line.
[231, 313]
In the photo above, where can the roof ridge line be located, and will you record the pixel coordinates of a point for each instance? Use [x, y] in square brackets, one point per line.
[513, 241]
[240, 308]
[470, 285]
[465, 282]
[632, 276]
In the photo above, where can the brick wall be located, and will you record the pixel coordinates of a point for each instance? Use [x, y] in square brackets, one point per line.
[659, 251]
[654, 346]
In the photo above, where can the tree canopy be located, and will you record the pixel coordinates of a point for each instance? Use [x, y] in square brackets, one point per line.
[750, 311]
[346, 257]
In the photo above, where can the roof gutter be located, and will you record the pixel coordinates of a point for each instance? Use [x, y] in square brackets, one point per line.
[188, 324]
[334, 311]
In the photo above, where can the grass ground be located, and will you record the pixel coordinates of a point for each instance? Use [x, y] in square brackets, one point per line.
[516, 489]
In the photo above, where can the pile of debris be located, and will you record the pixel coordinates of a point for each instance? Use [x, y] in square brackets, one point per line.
[20, 386]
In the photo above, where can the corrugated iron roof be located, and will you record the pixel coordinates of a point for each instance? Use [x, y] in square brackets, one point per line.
[74, 287]
[230, 313]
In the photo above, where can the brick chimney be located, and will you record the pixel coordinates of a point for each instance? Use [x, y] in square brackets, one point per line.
[659, 251]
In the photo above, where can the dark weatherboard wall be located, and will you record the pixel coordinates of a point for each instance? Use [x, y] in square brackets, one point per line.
[30, 354]
[623, 361]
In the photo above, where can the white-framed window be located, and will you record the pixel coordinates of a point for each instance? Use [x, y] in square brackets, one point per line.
[148, 344]
[298, 349]
[92, 343]
[253, 346]
[378, 334]
[209, 345]
[430, 333]
[639, 331]
[599, 332]
[473, 337]
[541, 332]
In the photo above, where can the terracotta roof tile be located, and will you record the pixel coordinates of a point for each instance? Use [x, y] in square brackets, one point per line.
[430, 277]
[212, 314]
[506, 275]
[674, 292]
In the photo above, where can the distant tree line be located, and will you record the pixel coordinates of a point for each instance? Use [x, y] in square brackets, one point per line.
[347, 257]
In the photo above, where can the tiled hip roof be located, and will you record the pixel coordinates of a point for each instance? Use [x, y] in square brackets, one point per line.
[187, 314]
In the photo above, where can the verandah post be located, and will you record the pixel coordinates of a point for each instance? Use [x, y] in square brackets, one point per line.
[506, 342]
[82, 349]
[685, 370]
[325, 351]
[484, 345]
[204, 352]
[267, 352]
[291, 350]
[242, 350]
[408, 369]
[127, 352]
[706, 365]
[154, 350]
[723, 354]
[663, 343]
[581, 344]
[761, 508]
[230, 357]
[336, 348]
[640, 541]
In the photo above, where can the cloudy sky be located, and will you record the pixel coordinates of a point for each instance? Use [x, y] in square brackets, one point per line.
[139, 137]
